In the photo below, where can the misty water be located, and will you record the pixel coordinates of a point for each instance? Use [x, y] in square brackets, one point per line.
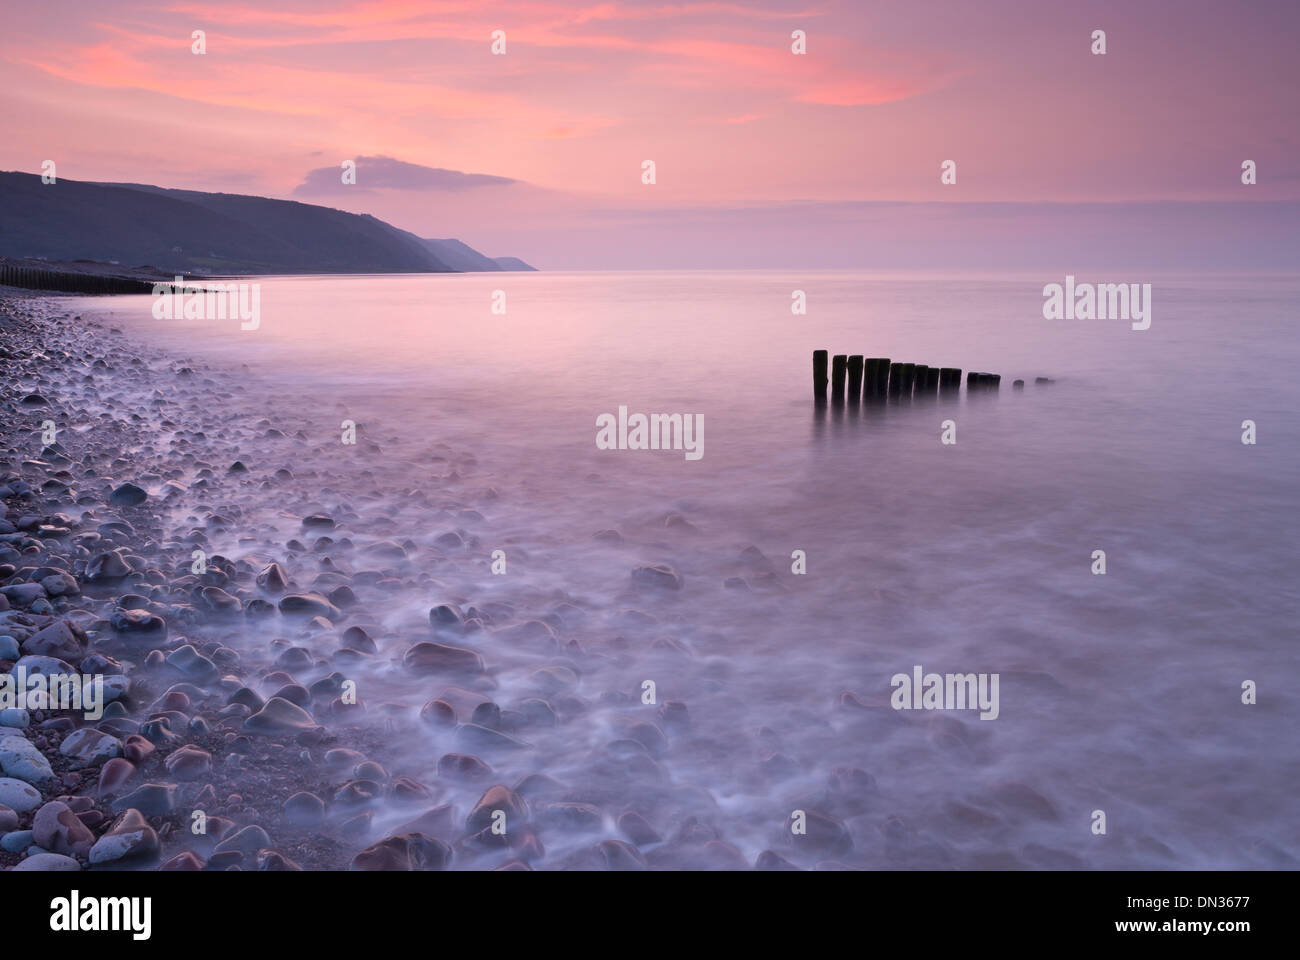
[1120, 693]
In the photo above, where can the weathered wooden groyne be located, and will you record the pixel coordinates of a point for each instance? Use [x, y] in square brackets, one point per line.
[21, 274]
[855, 379]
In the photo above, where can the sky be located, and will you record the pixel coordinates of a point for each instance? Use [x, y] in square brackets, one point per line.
[763, 157]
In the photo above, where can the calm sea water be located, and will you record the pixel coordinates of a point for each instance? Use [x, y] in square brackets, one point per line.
[1119, 693]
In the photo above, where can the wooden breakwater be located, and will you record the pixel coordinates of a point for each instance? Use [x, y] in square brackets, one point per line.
[855, 379]
[23, 274]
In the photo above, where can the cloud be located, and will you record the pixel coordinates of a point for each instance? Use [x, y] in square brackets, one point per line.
[386, 173]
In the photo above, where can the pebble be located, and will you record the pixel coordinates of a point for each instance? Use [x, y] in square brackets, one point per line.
[410, 851]
[279, 716]
[657, 575]
[56, 640]
[304, 809]
[89, 746]
[430, 657]
[498, 797]
[127, 495]
[309, 605]
[189, 763]
[47, 862]
[19, 758]
[130, 838]
[150, 799]
[57, 829]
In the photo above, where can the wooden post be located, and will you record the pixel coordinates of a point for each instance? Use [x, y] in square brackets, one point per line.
[839, 364]
[875, 381]
[819, 375]
[932, 380]
[855, 378]
[908, 379]
[895, 379]
[950, 380]
[1018, 385]
[918, 379]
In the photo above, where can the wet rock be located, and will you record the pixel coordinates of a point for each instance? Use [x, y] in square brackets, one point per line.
[23, 594]
[487, 714]
[47, 862]
[21, 760]
[355, 638]
[572, 816]
[247, 697]
[89, 746]
[430, 657]
[637, 829]
[502, 798]
[295, 693]
[445, 615]
[770, 860]
[304, 810]
[463, 767]
[139, 625]
[438, 713]
[127, 495]
[825, 835]
[151, 799]
[538, 713]
[107, 567]
[192, 664]
[309, 605]
[280, 716]
[57, 829]
[18, 795]
[137, 749]
[217, 600]
[657, 576]
[608, 855]
[273, 579]
[186, 860]
[406, 790]
[189, 763]
[60, 585]
[114, 775]
[409, 851]
[60, 639]
[318, 521]
[249, 840]
[129, 840]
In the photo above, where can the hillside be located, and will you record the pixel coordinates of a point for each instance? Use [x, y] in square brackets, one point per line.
[208, 233]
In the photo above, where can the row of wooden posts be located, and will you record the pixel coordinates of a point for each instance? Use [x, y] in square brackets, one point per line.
[879, 378]
[37, 278]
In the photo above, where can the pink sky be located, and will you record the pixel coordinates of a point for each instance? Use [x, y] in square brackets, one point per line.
[711, 92]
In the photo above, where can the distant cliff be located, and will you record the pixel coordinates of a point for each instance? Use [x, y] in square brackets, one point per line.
[207, 233]
[461, 256]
